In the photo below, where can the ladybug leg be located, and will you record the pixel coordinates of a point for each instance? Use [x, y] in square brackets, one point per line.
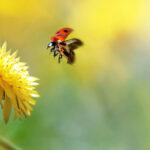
[52, 49]
[58, 51]
[60, 57]
[55, 53]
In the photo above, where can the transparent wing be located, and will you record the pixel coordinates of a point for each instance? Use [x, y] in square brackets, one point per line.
[74, 43]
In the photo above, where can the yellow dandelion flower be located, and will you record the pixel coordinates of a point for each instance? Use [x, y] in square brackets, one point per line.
[16, 85]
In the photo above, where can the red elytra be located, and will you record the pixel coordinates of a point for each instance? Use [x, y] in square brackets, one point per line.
[61, 34]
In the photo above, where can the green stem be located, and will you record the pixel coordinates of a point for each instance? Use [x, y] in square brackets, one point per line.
[7, 145]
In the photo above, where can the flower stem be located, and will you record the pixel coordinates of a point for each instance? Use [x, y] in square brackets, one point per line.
[7, 145]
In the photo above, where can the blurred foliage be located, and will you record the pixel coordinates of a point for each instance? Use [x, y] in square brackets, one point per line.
[102, 101]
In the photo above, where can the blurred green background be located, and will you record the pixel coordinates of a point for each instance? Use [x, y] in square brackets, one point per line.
[102, 102]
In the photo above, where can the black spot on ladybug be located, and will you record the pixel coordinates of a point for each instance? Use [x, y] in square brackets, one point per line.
[65, 31]
[57, 32]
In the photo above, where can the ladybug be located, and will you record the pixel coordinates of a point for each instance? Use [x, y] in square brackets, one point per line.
[62, 47]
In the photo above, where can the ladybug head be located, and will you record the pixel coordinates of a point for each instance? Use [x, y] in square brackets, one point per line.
[51, 44]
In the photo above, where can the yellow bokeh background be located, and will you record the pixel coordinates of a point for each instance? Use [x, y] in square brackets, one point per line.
[103, 98]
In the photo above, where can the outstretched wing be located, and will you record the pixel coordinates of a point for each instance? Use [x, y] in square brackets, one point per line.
[74, 43]
[71, 58]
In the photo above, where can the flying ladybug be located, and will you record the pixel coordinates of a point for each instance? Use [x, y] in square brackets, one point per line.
[62, 47]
